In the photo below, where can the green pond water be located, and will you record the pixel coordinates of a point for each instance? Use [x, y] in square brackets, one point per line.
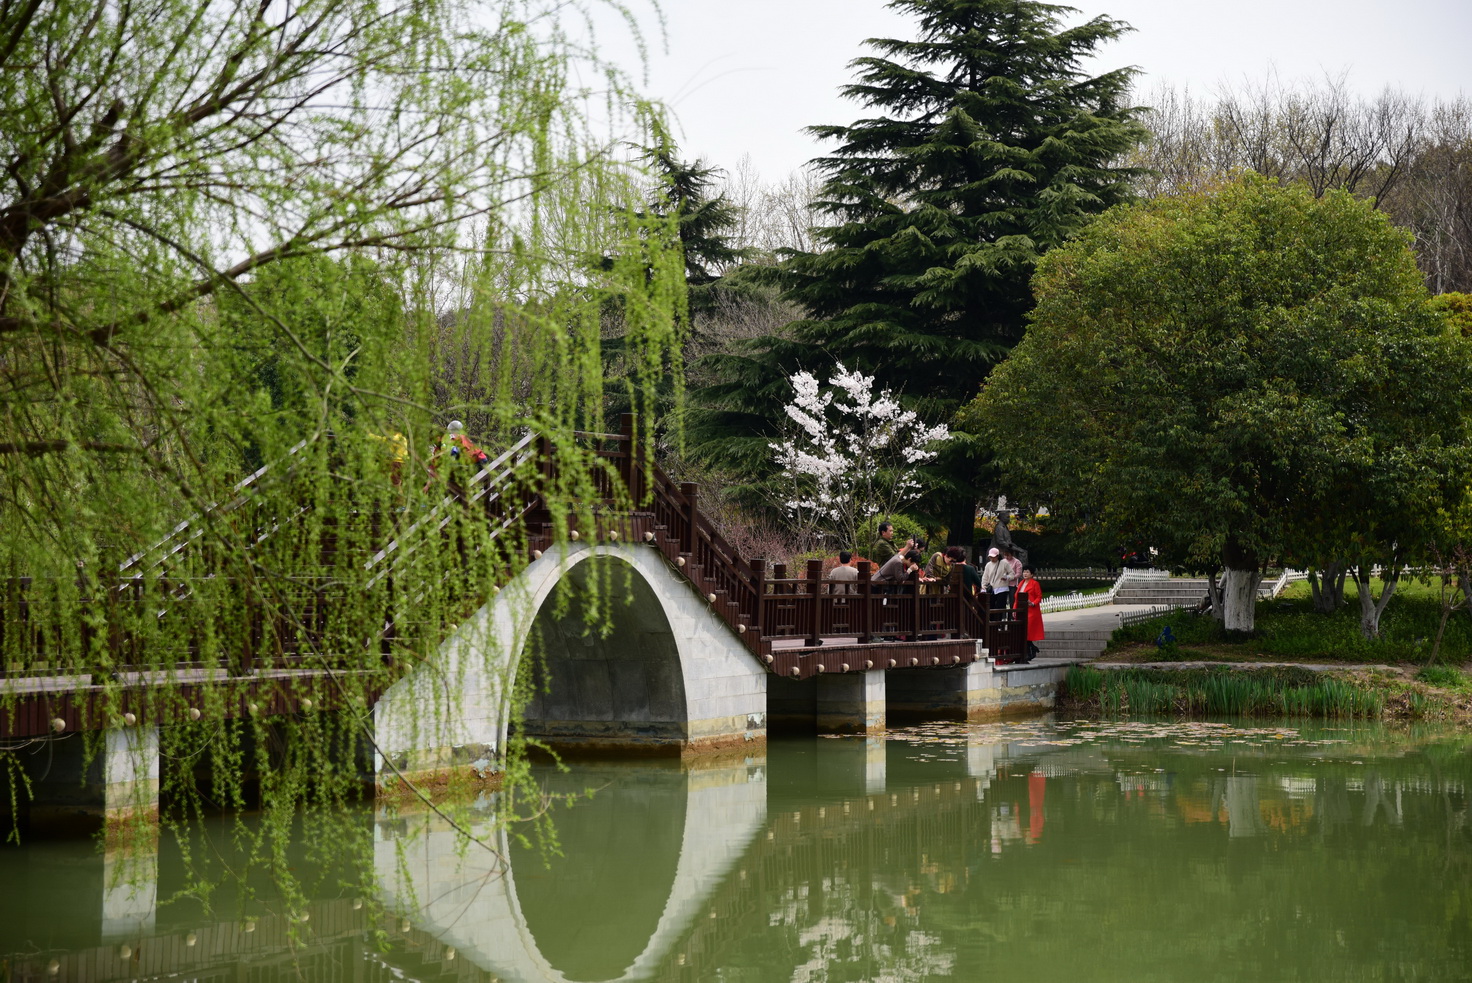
[1041, 850]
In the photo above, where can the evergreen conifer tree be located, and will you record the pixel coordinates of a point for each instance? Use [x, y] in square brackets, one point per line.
[986, 145]
[680, 205]
[703, 222]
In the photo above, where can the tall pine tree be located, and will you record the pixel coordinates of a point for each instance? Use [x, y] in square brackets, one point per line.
[985, 146]
[680, 205]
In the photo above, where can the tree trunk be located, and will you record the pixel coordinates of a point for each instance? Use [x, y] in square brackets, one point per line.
[1329, 591]
[1239, 587]
[1214, 594]
[1370, 608]
[1453, 595]
[961, 530]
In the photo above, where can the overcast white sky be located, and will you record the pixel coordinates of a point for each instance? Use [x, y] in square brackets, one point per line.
[745, 76]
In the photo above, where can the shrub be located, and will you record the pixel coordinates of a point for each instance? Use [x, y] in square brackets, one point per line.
[1439, 675]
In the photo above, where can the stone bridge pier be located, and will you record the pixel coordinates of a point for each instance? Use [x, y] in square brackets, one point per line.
[650, 668]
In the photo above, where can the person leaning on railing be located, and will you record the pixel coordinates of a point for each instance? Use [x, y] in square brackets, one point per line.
[843, 579]
[897, 570]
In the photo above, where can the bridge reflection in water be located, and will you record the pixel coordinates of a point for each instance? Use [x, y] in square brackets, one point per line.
[959, 853]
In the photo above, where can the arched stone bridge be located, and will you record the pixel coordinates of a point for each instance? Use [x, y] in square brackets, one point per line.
[701, 648]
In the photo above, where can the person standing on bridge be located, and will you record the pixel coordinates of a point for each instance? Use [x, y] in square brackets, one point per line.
[994, 580]
[1033, 591]
[451, 450]
[1011, 574]
[970, 579]
[883, 549]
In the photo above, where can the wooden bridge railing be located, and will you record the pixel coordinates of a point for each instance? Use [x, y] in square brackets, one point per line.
[779, 617]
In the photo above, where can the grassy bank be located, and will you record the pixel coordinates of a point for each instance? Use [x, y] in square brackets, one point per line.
[1437, 693]
[1289, 629]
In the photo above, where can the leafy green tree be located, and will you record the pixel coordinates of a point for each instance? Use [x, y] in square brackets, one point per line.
[228, 232]
[985, 144]
[1234, 376]
[704, 222]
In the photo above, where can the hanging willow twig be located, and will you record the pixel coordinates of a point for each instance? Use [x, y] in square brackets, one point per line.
[246, 251]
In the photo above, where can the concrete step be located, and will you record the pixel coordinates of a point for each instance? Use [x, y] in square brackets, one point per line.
[1126, 596]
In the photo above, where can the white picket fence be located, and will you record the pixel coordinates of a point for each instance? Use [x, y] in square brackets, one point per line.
[1074, 600]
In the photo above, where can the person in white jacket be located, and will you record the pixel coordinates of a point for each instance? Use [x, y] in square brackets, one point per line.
[994, 579]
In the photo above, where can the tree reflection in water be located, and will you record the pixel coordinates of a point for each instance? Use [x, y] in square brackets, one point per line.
[1134, 851]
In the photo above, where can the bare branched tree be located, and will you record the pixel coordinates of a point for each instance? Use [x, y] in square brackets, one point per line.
[1410, 156]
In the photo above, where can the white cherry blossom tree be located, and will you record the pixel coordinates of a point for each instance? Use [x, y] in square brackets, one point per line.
[848, 453]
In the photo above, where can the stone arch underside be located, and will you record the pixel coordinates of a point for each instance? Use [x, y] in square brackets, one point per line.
[673, 670]
[609, 678]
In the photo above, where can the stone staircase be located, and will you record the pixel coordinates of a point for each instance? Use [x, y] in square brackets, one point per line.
[1176, 592]
[1074, 644]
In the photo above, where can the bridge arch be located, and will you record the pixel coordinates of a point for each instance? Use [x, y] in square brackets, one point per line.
[472, 900]
[670, 674]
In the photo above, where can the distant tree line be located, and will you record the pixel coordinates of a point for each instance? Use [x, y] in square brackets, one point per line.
[1412, 156]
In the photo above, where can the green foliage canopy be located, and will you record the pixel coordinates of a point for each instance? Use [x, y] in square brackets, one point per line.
[1236, 375]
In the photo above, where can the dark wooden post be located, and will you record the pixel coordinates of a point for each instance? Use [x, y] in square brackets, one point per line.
[689, 534]
[759, 587]
[1019, 628]
[547, 473]
[630, 467]
[815, 598]
[866, 605]
[914, 606]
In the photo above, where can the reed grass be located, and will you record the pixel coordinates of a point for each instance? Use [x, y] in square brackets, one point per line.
[1216, 692]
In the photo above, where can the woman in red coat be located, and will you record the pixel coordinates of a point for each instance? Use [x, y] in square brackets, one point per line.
[1034, 592]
